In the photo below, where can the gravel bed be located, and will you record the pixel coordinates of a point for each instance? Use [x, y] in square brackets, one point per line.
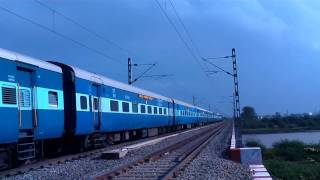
[211, 163]
[86, 168]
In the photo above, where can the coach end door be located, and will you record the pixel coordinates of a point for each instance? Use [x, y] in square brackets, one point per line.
[96, 106]
[25, 96]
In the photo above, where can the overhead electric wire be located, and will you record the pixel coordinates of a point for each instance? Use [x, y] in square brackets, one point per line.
[187, 31]
[192, 41]
[181, 37]
[186, 90]
[223, 57]
[183, 40]
[142, 74]
[193, 44]
[60, 35]
[218, 67]
[158, 76]
[83, 27]
[185, 28]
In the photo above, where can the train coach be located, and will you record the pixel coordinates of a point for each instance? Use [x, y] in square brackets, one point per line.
[105, 109]
[49, 107]
[31, 105]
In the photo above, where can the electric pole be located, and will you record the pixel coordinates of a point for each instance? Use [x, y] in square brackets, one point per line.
[193, 100]
[234, 107]
[129, 71]
[237, 99]
[236, 83]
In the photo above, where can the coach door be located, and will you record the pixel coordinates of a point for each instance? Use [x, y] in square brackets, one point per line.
[25, 95]
[95, 99]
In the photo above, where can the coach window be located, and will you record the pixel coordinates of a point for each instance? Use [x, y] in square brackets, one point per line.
[114, 105]
[149, 110]
[95, 103]
[165, 111]
[143, 109]
[155, 110]
[83, 102]
[125, 107]
[53, 98]
[160, 110]
[135, 107]
[9, 95]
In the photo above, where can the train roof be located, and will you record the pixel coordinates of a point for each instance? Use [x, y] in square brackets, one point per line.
[13, 56]
[107, 81]
[10, 55]
[191, 106]
[83, 74]
[185, 104]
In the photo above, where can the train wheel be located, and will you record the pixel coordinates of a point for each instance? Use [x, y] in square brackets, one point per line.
[4, 159]
[85, 143]
[7, 158]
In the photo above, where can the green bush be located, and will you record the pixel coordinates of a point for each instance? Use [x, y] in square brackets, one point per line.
[289, 150]
[293, 160]
[292, 170]
[255, 143]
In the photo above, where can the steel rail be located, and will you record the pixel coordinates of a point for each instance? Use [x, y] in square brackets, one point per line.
[187, 159]
[197, 142]
[39, 164]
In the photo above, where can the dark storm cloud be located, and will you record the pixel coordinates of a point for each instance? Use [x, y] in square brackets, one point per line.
[277, 44]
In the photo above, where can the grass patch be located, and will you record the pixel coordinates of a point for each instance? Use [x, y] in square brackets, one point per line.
[291, 159]
[281, 169]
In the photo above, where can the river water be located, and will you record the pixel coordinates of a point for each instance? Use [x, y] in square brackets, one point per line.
[269, 139]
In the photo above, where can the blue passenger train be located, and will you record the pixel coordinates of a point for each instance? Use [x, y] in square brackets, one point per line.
[50, 106]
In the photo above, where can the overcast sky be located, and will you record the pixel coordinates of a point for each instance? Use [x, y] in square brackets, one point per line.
[277, 45]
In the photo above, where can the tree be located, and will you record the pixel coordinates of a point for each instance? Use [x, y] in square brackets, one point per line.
[248, 113]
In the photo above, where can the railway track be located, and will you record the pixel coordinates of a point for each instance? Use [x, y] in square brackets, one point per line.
[47, 163]
[166, 163]
[54, 161]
